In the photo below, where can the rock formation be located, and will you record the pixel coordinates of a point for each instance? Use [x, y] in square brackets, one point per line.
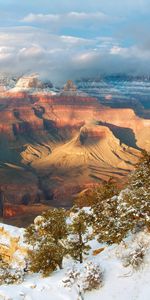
[31, 83]
[53, 146]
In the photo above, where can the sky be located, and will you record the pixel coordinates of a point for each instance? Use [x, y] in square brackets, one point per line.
[63, 39]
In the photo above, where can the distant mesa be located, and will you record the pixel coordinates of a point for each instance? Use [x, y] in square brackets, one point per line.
[70, 86]
[70, 89]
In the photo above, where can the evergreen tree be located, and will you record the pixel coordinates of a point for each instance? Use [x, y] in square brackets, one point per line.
[54, 222]
[79, 236]
[47, 256]
[105, 213]
[93, 196]
[85, 198]
[105, 221]
[106, 191]
[134, 204]
[47, 237]
[114, 217]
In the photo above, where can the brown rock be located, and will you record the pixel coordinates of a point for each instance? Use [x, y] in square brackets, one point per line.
[54, 146]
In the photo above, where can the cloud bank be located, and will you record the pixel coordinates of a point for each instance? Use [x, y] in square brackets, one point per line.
[75, 39]
[62, 57]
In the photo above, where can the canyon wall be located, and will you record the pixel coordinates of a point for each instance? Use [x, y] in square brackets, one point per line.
[53, 146]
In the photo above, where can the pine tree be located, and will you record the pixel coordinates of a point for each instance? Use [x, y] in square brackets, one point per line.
[114, 217]
[105, 213]
[79, 236]
[91, 197]
[47, 256]
[134, 204]
[106, 191]
[47, 237]
[54, 222]
[85, 198]
[105, 221]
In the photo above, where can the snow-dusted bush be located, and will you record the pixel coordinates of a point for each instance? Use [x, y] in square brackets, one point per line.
[133, 252]
[87, 278]
[71, 277]
[91, 277]
[135, 258]
[10, 275]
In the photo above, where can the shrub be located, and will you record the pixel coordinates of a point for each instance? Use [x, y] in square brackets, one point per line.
[71, 277]
[86, 279]
[133, 252]
[92, 277]
[135, 258]
[10, 275]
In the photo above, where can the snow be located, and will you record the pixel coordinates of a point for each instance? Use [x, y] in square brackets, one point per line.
[120, 283]
[14, 232]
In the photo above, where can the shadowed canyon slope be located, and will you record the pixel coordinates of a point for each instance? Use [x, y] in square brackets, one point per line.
[53, 146]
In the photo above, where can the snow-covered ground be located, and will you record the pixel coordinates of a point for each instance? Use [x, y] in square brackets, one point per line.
[120, 283]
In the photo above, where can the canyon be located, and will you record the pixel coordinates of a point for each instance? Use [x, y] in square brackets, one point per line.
[54, 145]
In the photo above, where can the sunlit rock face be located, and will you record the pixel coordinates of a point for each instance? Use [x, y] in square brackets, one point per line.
[31, 83]
[53, 146]
[28, 82]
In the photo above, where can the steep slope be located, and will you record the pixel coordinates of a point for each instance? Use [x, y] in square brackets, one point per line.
[91, 156]
[126, 118]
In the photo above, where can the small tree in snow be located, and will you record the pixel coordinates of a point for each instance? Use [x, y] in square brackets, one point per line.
[105, 221]
[105, 213]
[47, 236]
[47, 256]
[78, 239]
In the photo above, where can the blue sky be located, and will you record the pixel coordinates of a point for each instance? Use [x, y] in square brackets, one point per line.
[68, 38]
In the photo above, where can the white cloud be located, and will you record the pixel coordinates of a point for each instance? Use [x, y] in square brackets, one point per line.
[41, 18]
[115, 50]
[86, 57]
[33, 51]
[71, 16]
